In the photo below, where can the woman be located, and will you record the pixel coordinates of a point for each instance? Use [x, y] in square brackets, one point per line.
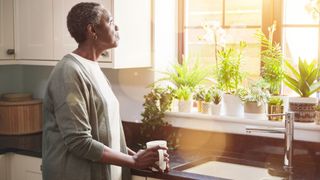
[82, 135]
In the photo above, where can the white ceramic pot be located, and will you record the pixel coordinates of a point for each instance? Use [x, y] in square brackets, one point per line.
[232, 105]
[185, 106]
[216, 109]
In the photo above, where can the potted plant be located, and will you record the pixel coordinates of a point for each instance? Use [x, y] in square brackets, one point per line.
[229, 77]
[273, 61]
[206, 103]
[304, 82]
[199, 97]
[185, 74]
[317, 108]
[275, 106]
[216, 99]
[255, 99]
[184, 94]
[153, 125]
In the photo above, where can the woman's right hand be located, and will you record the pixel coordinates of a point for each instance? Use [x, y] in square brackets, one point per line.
[146, 158]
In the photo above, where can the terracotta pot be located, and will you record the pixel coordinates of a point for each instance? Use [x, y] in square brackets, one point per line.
[275, 109]
[317, 120]
[304, 108]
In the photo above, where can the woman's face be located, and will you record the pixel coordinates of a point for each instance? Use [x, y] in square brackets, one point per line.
[107, 32]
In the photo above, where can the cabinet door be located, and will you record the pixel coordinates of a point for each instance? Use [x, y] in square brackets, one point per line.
[135, 28]
[6, 28]
[138, 177]
[25, 168]
[63, 42]
[33, 26]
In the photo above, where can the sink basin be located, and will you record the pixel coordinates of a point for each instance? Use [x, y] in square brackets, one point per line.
[228, 168]
[231, 171]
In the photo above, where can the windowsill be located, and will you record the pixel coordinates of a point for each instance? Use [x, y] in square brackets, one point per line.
[235, 125]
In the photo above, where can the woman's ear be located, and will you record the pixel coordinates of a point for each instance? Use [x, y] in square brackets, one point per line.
[91, 32]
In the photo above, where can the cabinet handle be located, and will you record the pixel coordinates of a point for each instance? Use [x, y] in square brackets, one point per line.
[10, 51]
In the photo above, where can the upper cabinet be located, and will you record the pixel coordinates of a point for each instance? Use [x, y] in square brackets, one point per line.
[33, 29]
[6, 30]
[41, 36]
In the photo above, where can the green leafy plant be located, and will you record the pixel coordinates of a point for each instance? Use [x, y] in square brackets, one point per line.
[228, 73]
[153, 126]
[183, 93]
[199, 94]
[208, 96]
[254, 94]
[273, 61]
[216, 96]
[303, 81]
[185, 74]
[274, 100]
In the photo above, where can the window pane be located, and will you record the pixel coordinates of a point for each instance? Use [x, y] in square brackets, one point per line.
[245, 12]
[300, 42]
[199, 11]
[296, 12]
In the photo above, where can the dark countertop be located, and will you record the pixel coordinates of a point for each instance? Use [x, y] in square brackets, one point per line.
[179, 159]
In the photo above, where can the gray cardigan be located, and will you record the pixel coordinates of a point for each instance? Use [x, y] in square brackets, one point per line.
[75, 126]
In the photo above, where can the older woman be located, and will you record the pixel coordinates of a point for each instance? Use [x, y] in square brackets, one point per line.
[82, 135]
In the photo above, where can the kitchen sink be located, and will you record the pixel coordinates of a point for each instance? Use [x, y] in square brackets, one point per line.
[229, 168]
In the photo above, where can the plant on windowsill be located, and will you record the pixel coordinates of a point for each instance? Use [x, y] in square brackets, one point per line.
[206, 103]
[198, 96]
[229, 76]
[216, 99]
[184, 94]
[153, 126]
[254, 99]
[304, 83]
[275, 106]
[273, 61]
[185, 74]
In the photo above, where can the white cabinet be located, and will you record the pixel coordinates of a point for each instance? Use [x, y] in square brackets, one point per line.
[41, 36]
[6, 29]
[33, 29]
[24, 167]
[134, 21]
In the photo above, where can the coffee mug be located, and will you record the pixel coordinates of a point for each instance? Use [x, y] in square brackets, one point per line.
[161, 163]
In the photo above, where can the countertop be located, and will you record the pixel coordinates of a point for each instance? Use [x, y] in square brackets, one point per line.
[31, 145]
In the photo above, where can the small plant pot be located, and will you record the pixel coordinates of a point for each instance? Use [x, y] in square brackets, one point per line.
[252, 107]
[184, 106]
[199, 106]
[206, 107]
[216, 109]
[303, 108]
[275, 109]
[232, 105]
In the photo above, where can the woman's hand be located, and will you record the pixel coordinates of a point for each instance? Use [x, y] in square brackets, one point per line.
[146, 158]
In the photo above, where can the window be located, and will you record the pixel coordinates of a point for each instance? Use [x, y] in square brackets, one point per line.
[297, 29]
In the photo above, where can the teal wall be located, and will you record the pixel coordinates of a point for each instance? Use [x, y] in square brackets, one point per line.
[129, 85]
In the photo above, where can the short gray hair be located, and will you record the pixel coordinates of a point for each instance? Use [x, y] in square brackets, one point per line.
[80, 16]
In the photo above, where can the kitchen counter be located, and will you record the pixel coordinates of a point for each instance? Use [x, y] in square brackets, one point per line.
[309, 170]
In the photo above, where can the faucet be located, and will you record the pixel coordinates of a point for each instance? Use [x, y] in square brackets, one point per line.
[288, 136]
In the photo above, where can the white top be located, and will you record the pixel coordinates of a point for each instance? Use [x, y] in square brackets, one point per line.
[101, 83]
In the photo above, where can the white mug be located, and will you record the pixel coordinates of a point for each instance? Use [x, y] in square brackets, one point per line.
[162, 143]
